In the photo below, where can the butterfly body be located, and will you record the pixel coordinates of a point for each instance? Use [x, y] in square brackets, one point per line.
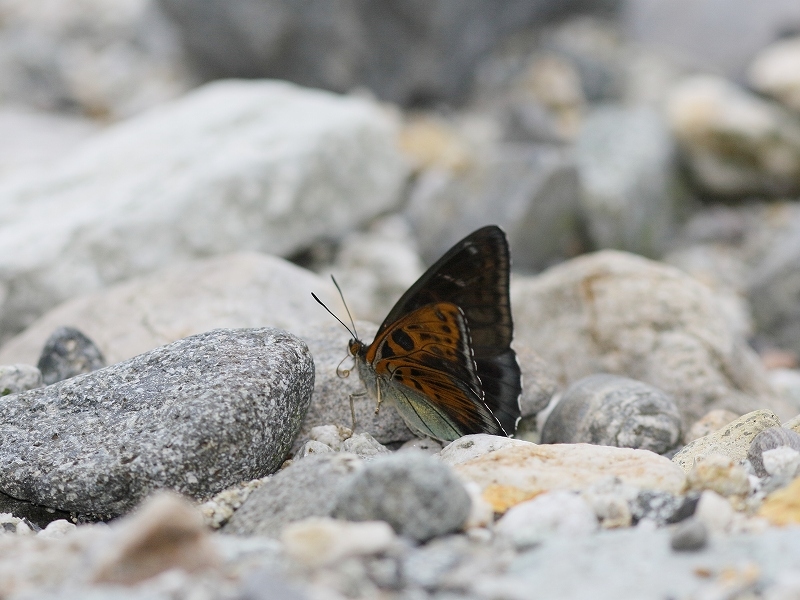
[442, 356]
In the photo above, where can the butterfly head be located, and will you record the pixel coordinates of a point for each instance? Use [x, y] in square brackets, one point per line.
[355, 347]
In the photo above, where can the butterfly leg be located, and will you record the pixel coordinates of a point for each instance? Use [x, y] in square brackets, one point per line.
[353, 409]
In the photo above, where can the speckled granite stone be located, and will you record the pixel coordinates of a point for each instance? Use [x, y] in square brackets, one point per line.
[195, 416]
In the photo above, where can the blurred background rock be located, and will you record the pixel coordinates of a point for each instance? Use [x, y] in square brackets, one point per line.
[665, 128]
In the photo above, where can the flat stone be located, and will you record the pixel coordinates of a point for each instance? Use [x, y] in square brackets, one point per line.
[612, 312]
[306, 488]
[244, 289]
[420, 497]
[732, 441]
[517, 473]
[195, 416]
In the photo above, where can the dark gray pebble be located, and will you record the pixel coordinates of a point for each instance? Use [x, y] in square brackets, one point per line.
[306, 488]
[614, 411]
[770, 439]
[195, 416]
[691, 535]
[67, 353]
[419, 496]
[663, 507]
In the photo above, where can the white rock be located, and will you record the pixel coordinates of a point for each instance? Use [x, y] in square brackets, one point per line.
[57, 529]
[364, 446]
[610, 500]
[19, 378]
[554, 513]
[472, 446]
[314, 447]
[776, 71]
[246, 289]
[258, 165]
[481, 513]
[331, 435]
[321, 541]
[715, 511]
[782, 463]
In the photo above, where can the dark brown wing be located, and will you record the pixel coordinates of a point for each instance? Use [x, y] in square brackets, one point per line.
[428, 351]
[474, 275]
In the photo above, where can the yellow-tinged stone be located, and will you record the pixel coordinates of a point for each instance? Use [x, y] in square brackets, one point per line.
[517, 473]
[732, 441]
[434, 144]
[503, 497]
[782, 507]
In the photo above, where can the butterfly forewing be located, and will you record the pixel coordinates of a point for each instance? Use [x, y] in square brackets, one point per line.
[474, 275]
[428, 352]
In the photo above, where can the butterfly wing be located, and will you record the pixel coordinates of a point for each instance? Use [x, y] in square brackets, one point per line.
[474, 275]
[426, 366]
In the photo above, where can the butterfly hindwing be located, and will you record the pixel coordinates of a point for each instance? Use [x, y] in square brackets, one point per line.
[474, 275]
[425, 357]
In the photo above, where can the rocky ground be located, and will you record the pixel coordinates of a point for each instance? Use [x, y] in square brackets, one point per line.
[173, 422]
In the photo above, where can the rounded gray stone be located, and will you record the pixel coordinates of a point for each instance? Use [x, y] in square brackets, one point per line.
[416, 494]
[306, 488]
[609, 410]
[770, 439]
[691, 535]
[195, 416]
[19, 378]
[67, 353]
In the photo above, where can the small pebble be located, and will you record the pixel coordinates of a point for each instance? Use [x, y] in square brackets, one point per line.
[419, 496]
[715, 511]
[19, 378]
[330, 435]
[782, 463]
[554, 513]
[319, 541]
[364, 446]
[314, 447]
[721, 474]
[67, 353]
[690, 536]
[711, 422]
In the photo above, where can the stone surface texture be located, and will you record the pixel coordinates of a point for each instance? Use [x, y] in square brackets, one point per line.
[195, 416]
[420, 497]
[306, 488]
[612, 312]
[517, 473]
[244, 289]
[713, 421]
[732, 441]
[234, 165]
[614, 411]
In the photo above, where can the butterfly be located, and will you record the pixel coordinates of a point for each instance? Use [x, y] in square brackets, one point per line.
[443, 354]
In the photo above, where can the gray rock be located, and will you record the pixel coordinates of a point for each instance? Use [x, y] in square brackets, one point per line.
[718, 36]
[627, 164]
[19, 378]
[609, 410]
[417, 495]
[196, 416]
[426, 566]
[306, 488]
[540, 383]
[531, 191]
[427, 50]
[612, 312]
[288, 166]
[663, 507]
[770, 439]
[332, 393]
[689, 536]
[67, 353]
[37, 515]
[364, 446]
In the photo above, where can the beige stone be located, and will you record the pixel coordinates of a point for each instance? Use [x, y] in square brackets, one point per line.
[517, 473]
[321, 541]
[246, 289]
[732, 440]
[719, 473]
[776, 71]
[782, 507]
[614, 312]
[165, 533]
[713, 421]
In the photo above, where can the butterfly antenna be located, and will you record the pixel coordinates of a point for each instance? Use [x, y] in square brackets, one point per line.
[341, 295]
[321, 303]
